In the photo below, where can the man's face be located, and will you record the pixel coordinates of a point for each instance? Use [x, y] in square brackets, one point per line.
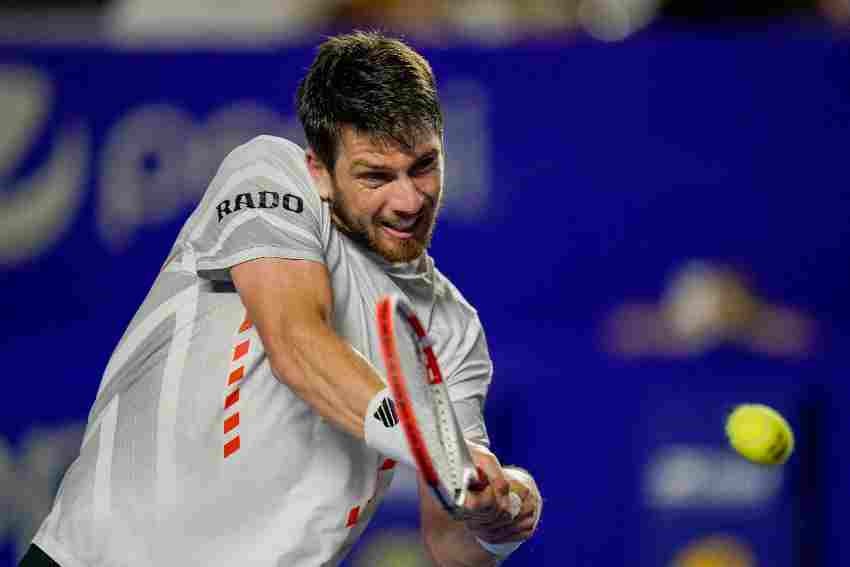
[383, 195]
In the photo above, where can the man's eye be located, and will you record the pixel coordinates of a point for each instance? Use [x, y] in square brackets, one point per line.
[375, 178]
[424, 167]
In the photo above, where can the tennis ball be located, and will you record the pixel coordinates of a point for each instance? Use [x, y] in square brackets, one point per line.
[760, 434]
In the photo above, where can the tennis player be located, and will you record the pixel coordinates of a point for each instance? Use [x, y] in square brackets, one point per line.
[242, 419]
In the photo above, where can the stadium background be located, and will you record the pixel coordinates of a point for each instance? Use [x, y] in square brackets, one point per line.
[648, 205]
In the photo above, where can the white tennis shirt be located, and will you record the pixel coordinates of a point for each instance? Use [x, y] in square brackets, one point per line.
[194, 453]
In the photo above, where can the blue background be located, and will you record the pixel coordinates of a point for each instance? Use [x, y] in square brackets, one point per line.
[604, 168]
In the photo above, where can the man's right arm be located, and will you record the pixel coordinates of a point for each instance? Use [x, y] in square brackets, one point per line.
[291, 304]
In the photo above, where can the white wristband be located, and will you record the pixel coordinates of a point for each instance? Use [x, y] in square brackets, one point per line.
[500, 549]
[382, 429]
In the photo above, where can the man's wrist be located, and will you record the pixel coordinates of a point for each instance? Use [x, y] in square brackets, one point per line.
[382, 430]
[500, 550]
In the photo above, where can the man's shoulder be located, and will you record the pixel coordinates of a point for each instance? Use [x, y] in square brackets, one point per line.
[280, 162]
[452, 301]
[456, 326]
[267, 148]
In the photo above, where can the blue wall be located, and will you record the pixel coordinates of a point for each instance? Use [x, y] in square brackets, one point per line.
[581, 176]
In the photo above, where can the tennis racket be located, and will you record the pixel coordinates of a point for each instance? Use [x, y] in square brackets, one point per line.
[423, 405]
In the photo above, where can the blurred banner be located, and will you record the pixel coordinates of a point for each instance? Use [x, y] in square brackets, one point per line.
[652, 232]
[702, 504]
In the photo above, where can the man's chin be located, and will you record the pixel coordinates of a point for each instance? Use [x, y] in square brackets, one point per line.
[392, 250]
[406, 251]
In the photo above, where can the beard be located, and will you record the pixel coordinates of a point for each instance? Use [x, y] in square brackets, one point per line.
[368, 231]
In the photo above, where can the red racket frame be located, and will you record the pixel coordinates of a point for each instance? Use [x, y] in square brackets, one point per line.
[396, 382]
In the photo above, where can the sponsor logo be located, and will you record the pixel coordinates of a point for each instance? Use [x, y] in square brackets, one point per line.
[386, 413]
[681, 477]
[260, 200]
[707, 305]
[37, 204]
[158, 159]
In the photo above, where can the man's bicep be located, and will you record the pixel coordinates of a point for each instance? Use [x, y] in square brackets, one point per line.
[470, 416]
[283, 296]
[469, 381]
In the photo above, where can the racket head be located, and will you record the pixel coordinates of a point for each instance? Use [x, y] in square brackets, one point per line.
[422, 401]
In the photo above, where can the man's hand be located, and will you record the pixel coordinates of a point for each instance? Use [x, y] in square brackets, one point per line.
[525, 522]
[487, 513]
[456, 540]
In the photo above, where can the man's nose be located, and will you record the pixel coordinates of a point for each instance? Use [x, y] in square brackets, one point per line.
[407, 199]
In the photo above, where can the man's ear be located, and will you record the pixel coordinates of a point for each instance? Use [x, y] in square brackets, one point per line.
[320, 174]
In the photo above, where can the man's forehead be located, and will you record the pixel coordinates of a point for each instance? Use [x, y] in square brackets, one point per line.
[370, 148]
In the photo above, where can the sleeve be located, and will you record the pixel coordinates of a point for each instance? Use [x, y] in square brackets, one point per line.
[260, 204]
[468, 381]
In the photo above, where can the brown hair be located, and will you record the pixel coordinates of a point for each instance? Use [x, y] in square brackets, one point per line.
[377, 84]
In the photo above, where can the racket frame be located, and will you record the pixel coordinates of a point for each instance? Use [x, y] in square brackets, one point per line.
[385, 310]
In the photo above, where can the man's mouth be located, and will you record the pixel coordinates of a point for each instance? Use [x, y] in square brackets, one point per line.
[402, 229]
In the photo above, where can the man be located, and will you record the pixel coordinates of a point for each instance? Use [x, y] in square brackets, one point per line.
[237, 421]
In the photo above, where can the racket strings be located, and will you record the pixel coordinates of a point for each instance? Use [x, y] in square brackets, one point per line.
[440, 435]
[451, 469]
[430, 422]
[446, 431]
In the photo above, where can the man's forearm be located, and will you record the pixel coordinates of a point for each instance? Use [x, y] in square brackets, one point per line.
[291, 305]
[328, 374]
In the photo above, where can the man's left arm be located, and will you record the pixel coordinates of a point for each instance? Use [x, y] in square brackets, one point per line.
[487, 518]
[455, 543]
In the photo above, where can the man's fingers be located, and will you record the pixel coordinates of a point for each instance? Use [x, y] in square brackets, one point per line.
[521, 528]
[481, 482]
[533, 498]
[507, 509]
[527, 511]
[485, 504]
[487, 462]
[500, 484]
[519, 488]
[529, 505]
[514, 532]
[516, 504]
[526, 514]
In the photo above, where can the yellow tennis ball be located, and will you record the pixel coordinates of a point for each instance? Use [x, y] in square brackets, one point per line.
[760, 434]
